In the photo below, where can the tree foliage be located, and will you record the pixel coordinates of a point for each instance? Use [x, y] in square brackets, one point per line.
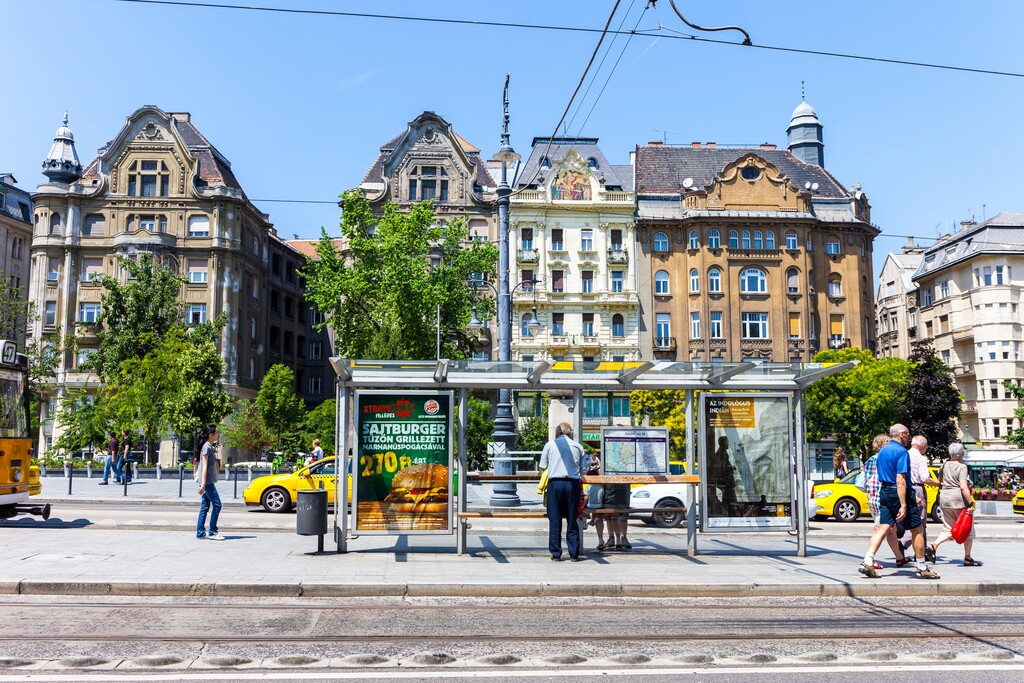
[381, 295]
[319, 423]
[534, 432]
[855, 405]
[479, 432]
[1016, 436]
[280, 409]
[930, 401]
[245, 429]
[666, 408]
[83, 419]
[15, 311]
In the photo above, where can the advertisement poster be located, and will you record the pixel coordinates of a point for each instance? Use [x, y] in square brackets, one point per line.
[634, 450]
[746, 462]
[403, 462]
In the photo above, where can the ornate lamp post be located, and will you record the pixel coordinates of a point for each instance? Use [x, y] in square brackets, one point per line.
[504, 495]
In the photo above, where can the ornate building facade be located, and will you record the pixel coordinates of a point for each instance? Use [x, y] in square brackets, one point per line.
[751, 253]
[969, 297]
[15, 244]
[160, 188]
[896, 303]
[429, 160]
[572, 233]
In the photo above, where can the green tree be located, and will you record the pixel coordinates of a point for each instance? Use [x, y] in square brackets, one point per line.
[279, 408]
[15, 311]
[319, 423]
[854, 406]
[930, 401]
[84, 422]
[381, 294]
[245, 429]
[666, 408]
[534, 433]
[197, 397]
[1016, 436]
[479, 433]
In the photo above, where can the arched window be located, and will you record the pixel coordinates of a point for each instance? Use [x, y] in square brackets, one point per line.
[835, 285]
[769, 239]
[714, 239]
[55, 224]
[791, 241]
[545, 163]
[694, 280]
[592, 163]
[753, 281]
[792, 281]
[715, 280]
[734, 240]
[618, 326]
[832, 245]
[661, 282]
[527, 320]
[694, 240]
[745, 239]
[660, 242]
[758, 240]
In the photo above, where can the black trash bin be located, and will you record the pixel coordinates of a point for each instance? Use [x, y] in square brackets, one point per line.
[311, 514]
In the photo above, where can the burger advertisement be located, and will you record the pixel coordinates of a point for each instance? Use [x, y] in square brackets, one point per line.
[403, 462]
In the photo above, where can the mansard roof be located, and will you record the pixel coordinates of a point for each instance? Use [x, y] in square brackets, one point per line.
[615, 175]
[1001, 234]
[663, 168]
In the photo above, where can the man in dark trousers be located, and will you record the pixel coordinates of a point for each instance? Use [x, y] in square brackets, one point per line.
[126, 451]
[563, 459]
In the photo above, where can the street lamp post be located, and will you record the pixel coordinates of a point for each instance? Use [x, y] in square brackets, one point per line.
[504, 495]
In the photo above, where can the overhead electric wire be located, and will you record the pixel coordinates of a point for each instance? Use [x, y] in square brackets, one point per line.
[576, 29]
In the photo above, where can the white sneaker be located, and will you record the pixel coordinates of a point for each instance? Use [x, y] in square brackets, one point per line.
[215, 537]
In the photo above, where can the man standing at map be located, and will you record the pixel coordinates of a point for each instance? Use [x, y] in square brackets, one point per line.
[563, 458]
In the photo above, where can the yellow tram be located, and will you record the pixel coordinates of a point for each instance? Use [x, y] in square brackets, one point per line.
[19, 478]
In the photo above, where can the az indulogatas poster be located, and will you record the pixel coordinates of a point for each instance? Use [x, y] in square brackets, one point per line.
[403, 462]
[746, 466]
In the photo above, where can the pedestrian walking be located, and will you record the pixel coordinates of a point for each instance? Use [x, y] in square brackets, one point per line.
[124, 466]
[108, 461]
[954, 497]
[563, 459]
[839, 467]
[595, 501]
[208, 471]
[895, 503]
[872, 488]
[920, 477]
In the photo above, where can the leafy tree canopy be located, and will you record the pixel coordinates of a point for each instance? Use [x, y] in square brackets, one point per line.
[930, 400]
[319, 423]
[381, 295]
[1016, 436]
[245, 429]
[280, 409]
[855, 405]
[664, 409]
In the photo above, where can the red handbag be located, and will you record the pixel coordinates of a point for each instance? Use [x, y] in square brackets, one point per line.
[962, 527]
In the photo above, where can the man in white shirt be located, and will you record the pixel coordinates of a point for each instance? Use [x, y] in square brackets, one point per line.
[563, 458]
[919, 476]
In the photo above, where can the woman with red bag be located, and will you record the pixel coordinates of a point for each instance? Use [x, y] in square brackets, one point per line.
[954, 498]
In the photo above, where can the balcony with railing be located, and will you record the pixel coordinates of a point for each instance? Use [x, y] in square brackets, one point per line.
[963, 333]
[527, 256]
[664, 343]
[838, 341]
[963, 370]
[618, 256]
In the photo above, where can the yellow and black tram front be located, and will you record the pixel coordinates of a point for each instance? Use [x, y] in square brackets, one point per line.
[19, 479]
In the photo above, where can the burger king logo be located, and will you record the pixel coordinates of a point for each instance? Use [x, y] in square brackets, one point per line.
[431, 407]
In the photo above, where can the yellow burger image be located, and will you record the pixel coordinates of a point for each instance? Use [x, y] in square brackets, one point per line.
[419, 489]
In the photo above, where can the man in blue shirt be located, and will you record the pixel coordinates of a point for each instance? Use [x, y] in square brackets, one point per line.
[894, 478]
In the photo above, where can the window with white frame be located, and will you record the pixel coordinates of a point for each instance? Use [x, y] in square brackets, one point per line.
[745, 239]
[694, 240]
[661, 281]
[832, 245]
[82, 357]
[52, 268]
[195, 314]
[835, 285]
[947, 358]
[791, 241]
[588, 324]
[754, 325]
[927, 296]
[753, 281]
[714, 239]
[769, 239]
[586, 240]
[999, 275]
[660, 242]
[662, 329]
[92, 269]
[694, 280]
[88, 312]
[587, 281]
[526, 238]
[198, 273]
[199, 226]
[616, 280]
[716, 324]
[792, 281]
[944, 289]
[694, 325]
[316, 350]
[715, 280]
[758, 239]
[50, 314]
[734, 239]
[527, 329]
[618, 325]
[149, 179]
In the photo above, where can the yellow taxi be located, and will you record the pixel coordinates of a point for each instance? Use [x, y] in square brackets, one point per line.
[278, 492]
[844, 501]
[1018, 503]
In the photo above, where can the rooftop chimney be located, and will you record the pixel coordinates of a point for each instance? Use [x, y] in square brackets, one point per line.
[695, 145]
[767, 145]
[655, 143]
[712, 145]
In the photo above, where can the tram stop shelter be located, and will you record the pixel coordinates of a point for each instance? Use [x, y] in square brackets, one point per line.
[746, 470]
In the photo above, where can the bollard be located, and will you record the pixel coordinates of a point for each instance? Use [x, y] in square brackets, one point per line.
[181, 477]
[234, 470]
[88, 470]
[249, 470]
[158, 471]
[69, 471]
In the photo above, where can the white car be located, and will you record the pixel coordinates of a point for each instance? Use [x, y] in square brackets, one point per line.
[654, 496]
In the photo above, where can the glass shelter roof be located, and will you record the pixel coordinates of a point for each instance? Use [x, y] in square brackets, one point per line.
[543, 375]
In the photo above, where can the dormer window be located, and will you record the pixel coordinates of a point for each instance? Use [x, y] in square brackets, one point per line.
[592, 163]
[750, 173]
[149, 179]
[430, 182]
[545, 162]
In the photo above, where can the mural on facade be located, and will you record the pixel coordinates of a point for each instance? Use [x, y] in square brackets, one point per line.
[571, 185]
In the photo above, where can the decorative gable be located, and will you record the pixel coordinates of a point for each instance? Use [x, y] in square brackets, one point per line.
[750, 184]
[572, 179]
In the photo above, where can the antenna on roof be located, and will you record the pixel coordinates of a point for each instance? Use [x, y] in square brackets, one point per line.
[803, 93]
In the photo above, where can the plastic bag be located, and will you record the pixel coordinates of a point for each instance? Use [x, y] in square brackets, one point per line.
[962, 527]
[542, 486]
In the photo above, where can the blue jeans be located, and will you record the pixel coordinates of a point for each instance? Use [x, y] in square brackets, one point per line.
[563, 503]
[210, 504]
[118, 464]
[108, 466]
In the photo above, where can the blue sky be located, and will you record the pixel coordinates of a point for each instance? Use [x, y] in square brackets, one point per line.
[301, 104]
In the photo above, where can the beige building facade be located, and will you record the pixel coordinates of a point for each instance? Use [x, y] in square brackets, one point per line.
[896, 304]
[751, 253]
[161, 188]
[970, 288]
[15, 246]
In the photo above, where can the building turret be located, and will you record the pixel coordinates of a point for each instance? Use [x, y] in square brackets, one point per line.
[61, 165]
[805, 139]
